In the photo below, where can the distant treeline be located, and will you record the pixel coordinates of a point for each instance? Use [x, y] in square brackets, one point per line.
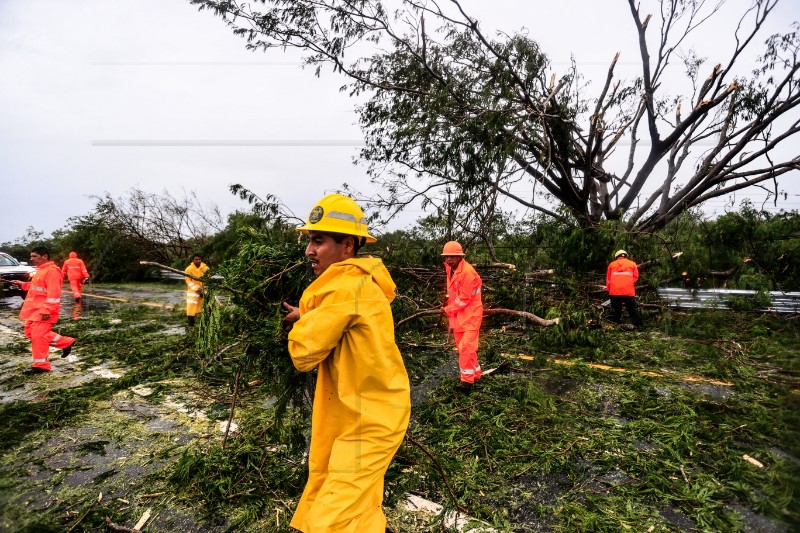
[747, 249]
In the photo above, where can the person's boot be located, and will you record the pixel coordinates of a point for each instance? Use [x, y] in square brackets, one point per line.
[465, 387]
[191, 321]
[65, 351]
[34, 370]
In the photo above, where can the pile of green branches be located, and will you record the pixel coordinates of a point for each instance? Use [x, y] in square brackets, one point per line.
[240, 332]
[242, 344]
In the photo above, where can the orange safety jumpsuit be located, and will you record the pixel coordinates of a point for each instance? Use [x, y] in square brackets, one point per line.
[194, 289]
[464, 311]
[74, 269]
[44, 298]
[621, 277]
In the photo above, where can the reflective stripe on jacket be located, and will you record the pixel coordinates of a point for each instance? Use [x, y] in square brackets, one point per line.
[362, 401]
[44, 294]
[74, 268]
[191, 284]
[464, 306]
[621, 277]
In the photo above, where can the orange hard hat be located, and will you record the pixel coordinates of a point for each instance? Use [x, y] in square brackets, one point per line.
[73, 255]
[452, 248]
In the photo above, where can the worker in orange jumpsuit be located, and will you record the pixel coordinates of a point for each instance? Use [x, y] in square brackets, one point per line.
[464, 311]
[40, 310]
[74, 269]
[344, 329]
[621, 279]
[194, 287]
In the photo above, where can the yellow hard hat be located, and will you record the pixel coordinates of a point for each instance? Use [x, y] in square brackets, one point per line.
[452, 248]
[337, 214]
[619, 253]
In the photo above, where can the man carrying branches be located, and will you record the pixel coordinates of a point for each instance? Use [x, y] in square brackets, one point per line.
[194, 288]
[343, 327]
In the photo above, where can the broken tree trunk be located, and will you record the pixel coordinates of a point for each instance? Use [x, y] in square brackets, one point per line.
[724, 274]
[522, 314]
[496, 264]
[487, 312]
[539, 274]
[647, 264]
[169, 269]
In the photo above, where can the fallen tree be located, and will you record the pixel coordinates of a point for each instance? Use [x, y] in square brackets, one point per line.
[454, 107]
[486, 312]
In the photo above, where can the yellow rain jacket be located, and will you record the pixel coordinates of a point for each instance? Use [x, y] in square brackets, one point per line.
[194, 289]
[362, 402]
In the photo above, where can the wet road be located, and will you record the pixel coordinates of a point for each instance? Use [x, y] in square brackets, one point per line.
[100, 299]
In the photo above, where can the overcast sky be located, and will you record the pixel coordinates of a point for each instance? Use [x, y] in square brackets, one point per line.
[101, 96]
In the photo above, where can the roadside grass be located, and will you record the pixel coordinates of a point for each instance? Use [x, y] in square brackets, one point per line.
[540, 446]
[559, 447]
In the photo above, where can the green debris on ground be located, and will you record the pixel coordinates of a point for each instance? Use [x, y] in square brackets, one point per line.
[539, 446]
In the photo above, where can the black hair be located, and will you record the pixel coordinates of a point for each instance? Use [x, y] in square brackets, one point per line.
[358, 242]
[41, 250]
[197, 255]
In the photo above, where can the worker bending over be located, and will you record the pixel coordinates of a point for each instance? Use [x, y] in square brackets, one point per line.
[621, 279]
[343, 327]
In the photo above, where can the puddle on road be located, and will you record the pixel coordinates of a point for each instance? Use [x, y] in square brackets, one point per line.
[69, 308]
[101, 300]
[11, 302]
[123, 440]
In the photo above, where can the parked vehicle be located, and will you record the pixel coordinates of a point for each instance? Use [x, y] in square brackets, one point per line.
[11, 269]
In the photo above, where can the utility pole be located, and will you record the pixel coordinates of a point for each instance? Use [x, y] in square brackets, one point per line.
[449, 217]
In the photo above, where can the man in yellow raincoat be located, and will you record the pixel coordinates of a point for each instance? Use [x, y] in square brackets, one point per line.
[344, 328]
[194, 288]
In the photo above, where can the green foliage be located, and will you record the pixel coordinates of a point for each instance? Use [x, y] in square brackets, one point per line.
[109, 252]
[612, 451]
[263, 270]
[223, 244]
[451, 106]
[258, 468]
[764, 247]
[760, 300]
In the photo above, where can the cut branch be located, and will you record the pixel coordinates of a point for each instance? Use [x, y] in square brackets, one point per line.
[487, 312]
[522, 314]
